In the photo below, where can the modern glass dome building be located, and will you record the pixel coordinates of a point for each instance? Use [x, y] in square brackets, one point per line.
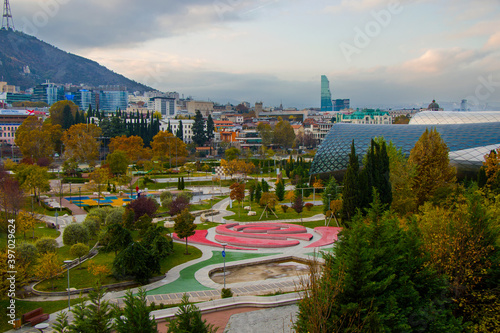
[469, 136]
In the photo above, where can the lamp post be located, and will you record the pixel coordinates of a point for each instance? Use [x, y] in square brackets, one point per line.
[80, 194]
[67, 262]
[224, 256]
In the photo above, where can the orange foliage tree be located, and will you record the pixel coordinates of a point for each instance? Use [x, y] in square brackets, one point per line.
[133, 146]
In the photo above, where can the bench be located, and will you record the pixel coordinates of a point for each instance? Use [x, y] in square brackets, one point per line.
[35, 317]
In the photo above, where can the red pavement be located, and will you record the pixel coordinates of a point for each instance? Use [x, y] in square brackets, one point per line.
[328, 236]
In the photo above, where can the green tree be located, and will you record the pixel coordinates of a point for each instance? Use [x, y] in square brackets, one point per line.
[284, 135]
[33, 178]
[180, 131]
[258, 192]
[58, 112]
[46, 245]
[159, 245]
[350, 191]
[100, 176]
[135, 316]
[210, 128]
[382, 280]
[188, 320]
[92, 316]
[79, 250]
[117, 162]
[137, 261]
[265, 186]
[266, 133]
[232, 153]
[68, 119]
[184, 226]
[75, 233]
[331, 193]
[433, 169]
[115, 238]
[280, 190]
[199, 134]
[27, 253]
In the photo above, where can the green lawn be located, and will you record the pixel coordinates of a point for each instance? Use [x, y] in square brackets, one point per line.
[80, 277]
[187, 282]
[290, 214]
[40, 231]
[27, 306]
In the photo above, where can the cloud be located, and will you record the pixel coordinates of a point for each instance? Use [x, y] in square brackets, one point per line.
[493, 42]
[112, 23]
[435, 61]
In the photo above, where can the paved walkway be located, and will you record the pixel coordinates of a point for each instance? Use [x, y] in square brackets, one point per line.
[193, 277]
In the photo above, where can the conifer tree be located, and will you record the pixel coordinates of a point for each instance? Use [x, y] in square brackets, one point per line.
[333, 190]
[258, 192]
[210, 128]
[350, 192]
[280, 190]
[180, 132]
[199, 135]
[135, 316]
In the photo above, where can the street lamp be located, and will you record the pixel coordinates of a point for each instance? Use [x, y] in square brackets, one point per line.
[67, 262]
[224, 256]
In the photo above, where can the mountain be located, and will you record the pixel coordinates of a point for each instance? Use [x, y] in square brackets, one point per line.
[46, 62]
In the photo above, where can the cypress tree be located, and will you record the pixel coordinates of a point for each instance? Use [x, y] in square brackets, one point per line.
[180, 132]
[258, 192]
[182, 184]
[280, 190]
[210, 128]
[179, 186]
[350, 192]
[199, 135]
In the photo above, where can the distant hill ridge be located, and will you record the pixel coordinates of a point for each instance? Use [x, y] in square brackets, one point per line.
[46, 62]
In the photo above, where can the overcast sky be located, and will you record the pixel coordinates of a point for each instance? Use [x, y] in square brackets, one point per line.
[375, 52]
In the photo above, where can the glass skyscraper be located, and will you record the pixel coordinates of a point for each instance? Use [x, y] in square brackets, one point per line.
[326, 95]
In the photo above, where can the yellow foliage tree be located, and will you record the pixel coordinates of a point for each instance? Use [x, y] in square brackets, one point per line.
[49, 266]
[37, 139]
[99, 271]
[290, 196]
[100, 177]
[230, 167]
[433, 169]
[56, 111]
[491, 166]
[133, 146]
[165, 146]
[24, 222]
[81, 143]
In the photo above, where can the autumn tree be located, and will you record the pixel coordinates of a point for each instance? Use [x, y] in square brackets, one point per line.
[11, 196]
[237, 193]
[49, 266]
[177, 205]
[491, 167]
[81, 143]
[184, 226]
[37, 139]
[133, 146]
[433, 169]
[230, 167]
[298, 205]
[290, 196]
[246, 168]
[25, 222]
[98, 271]
[57, 112]
[165, 146]
[100, 177]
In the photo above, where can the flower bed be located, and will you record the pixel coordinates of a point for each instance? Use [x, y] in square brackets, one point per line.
[200, 237]
[328, 236]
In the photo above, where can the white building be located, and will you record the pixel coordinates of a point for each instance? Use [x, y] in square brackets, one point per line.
[165, 105]
[187, 127]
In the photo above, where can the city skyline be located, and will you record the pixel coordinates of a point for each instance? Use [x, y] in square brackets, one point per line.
[374, 52]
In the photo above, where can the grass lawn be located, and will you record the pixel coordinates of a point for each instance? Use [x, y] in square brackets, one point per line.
[206, 225]
[40, 231]
[80, 277]
[27, 306]
[290, 214]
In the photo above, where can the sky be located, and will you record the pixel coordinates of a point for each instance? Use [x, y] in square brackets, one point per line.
[375, 52]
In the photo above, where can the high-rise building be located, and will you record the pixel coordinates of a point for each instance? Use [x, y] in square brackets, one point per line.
[326, 95]
[165, 105]
[48, 93]
[112, 98]
[341, 104]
